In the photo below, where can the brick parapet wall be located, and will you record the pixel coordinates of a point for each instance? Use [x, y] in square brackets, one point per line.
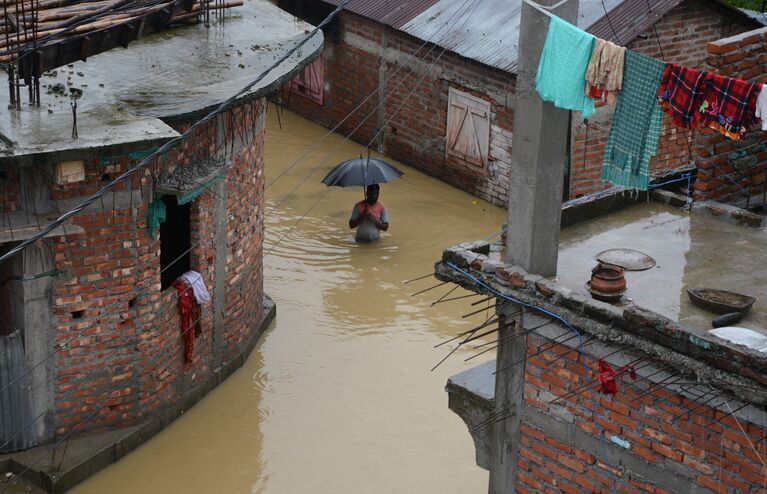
[727, 169]
[683, 34]
[122, 344]
[671, 422]
[416, 133]
[703, 448]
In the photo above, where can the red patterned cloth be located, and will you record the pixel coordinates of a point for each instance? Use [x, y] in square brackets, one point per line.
[189, 311]
[681, 93]
[607, 377]
[729, 106]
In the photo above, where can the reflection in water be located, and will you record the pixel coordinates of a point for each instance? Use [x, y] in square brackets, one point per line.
[337, 397]
[692, 250]
[657, 230]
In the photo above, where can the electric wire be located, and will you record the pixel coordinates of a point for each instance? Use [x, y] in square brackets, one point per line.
[324, 192]
[225, 105]
[356, 128]
[60, 347]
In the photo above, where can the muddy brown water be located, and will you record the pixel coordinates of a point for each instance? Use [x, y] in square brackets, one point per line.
[338, 396]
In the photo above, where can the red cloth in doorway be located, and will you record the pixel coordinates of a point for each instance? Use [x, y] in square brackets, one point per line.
[189, 311]
[607, 377]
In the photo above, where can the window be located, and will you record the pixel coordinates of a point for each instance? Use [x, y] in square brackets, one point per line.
[468, 128]
[175, 241]
[310, 82]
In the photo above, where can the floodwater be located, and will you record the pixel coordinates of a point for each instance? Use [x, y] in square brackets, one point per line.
[691, 250]
[338, 396]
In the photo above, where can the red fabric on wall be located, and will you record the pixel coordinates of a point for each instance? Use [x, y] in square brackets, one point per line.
[190, 316]
[607, 377]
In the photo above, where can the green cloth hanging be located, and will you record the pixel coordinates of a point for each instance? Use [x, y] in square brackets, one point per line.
[561, 76]
[637, 124]
[156, 215]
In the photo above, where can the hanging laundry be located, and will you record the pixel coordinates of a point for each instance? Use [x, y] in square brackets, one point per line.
[729, 106]
[608, 377]
[681, 93]
[194, 279]
[637, 124]
[761, 106]
[562, 68]
[189, 311]
[604, 73]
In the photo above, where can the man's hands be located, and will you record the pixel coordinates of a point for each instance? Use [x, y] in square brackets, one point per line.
[367, 215]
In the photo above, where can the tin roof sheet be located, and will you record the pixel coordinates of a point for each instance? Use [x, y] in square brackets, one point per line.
[394, 13]
[488, 31]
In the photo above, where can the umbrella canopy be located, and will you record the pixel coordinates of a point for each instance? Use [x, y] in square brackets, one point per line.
[361, 172]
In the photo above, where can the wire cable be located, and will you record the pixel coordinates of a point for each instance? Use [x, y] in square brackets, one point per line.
[172, 143]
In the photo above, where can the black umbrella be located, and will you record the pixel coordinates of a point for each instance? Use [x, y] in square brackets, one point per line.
[361, 172]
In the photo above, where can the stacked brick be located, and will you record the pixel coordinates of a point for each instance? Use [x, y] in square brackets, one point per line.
[733, 170]
[122, 349]
[362, 52]
[703, 449]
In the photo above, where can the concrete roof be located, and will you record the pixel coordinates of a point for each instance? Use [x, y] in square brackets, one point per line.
[179, 74]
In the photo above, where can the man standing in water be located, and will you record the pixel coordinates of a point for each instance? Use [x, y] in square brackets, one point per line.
[369, 217]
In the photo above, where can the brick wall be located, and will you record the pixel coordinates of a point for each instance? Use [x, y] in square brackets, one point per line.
[683, 34]
[414, 124]
[355, 62]
[715, 456]
[733, 170]
[123, 350]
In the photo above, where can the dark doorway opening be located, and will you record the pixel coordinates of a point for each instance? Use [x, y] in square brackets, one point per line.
[175, 241]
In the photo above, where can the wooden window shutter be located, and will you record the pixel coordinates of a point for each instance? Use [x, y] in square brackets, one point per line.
[310, 83]
[468, 128]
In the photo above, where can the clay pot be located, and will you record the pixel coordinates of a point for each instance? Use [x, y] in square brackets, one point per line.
[607, 278]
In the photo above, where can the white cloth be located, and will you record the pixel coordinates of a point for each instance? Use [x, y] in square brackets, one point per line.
[761, 107]
[194, 279]
[742, 336]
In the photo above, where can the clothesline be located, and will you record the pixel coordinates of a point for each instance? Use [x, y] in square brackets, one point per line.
[577, 68]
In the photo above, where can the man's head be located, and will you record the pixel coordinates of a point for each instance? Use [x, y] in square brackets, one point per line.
[371, 193]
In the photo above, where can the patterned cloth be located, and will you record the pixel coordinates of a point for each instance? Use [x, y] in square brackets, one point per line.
[637, 124]
[562, 69]
[189, 312]
[605, 70]
[729, 106]
[681, 93]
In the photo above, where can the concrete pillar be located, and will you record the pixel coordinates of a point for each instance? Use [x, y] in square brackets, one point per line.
[537, 155]
[509, 386]
[535, 197]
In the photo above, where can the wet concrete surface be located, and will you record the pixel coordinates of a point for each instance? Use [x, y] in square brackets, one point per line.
[172, 74]
[691, 250]
[338, 397]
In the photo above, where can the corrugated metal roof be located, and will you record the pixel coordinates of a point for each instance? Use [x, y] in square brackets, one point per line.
[488, 30]
[631, 18]
[395, 13]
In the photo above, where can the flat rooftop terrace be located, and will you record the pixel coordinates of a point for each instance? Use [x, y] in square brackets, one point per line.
[691, 250]
[130, 95]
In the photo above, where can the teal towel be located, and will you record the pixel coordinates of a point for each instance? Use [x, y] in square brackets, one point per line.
[561, 76]
[637, 124]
